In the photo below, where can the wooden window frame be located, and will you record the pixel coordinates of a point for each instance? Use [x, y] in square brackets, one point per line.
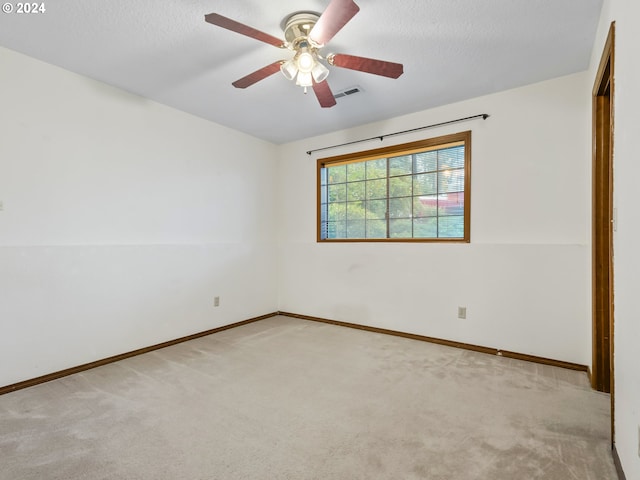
[395, 151]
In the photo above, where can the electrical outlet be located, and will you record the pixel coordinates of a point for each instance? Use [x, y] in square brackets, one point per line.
[462, 312]
[216, 301]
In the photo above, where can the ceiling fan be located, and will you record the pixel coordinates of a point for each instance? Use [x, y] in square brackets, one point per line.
[306, 33]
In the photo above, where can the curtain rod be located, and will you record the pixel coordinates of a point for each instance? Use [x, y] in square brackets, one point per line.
[382, 137]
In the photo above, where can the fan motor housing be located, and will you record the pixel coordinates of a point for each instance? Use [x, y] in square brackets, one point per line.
[298, 25]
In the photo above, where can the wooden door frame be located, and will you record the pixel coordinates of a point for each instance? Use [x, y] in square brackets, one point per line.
[602, 375]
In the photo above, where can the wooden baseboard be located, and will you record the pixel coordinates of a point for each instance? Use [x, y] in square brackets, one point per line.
[122, 356]
[449, 343]
[617, 463]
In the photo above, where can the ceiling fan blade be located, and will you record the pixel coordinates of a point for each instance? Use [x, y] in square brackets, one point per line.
[243, 29]
[324, 94]
[369, 65]
[336, 16]
[258, 75]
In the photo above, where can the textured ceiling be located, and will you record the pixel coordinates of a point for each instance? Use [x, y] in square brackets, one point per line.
[451, 50]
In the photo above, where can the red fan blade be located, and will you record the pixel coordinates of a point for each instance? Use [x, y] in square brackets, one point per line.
[258, 75]
[324, 94]
[369, 65]
[336, 16]
[243, 29]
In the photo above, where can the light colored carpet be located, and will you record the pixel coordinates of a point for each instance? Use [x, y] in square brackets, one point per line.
[291, 399]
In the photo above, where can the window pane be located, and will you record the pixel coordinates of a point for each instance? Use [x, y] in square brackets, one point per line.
[425, 162]
[323, 176]
[377, 188]
[451, 181]
[337, 174]
[376, 228]
[376, 209]
[355, 211]
[451, 227]
[324, 213]
[338, 193]
[451, 158]
[400, 165]
[337, 211]
[425, 206]
[336, 230]
[451, 203]
[356, 191]
[400, 228]
[377, 168]
[356, 229]
[425, 227]
[356, 171]
[400, 207]
[323, 194]
[425, 184]
[400, 186]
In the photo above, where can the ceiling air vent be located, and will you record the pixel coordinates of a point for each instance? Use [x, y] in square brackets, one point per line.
[348, 91]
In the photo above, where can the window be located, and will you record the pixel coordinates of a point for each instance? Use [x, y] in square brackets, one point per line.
[417, 191]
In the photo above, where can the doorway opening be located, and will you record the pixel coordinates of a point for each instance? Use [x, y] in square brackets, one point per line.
[603, 223]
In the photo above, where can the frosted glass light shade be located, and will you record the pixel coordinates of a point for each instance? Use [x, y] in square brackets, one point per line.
[319, 72]
[304, 79]
[305, 62]
[289, 69]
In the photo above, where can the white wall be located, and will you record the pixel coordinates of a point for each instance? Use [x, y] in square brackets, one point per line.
[524, 278]
[121, 220]
[626, 161]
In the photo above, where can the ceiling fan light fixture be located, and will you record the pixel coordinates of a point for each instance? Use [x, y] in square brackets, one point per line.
[289, 69]
[305, 61]
[304, 79]
[319, 72]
